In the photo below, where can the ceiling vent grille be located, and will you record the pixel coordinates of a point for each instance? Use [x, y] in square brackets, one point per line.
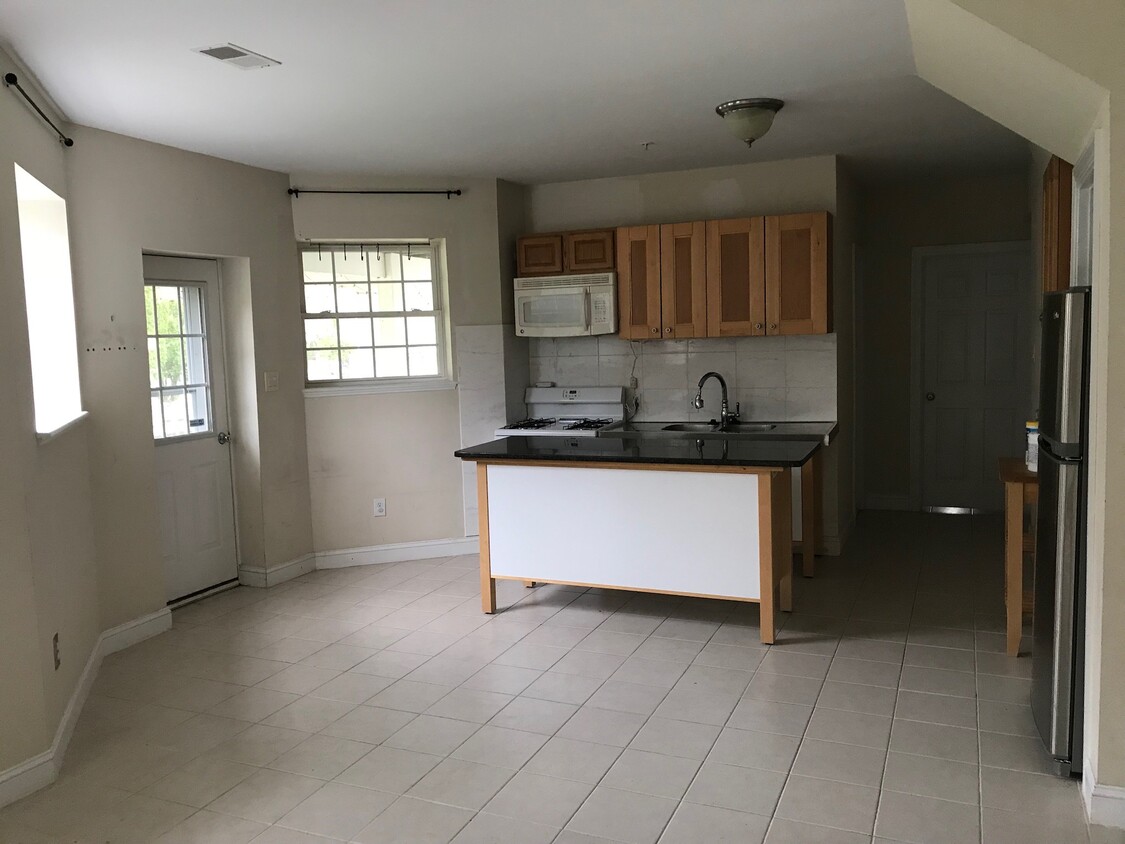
[237, 56]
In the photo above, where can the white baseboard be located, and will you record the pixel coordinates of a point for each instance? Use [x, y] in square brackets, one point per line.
[887, 502]
[397, 552]
[260, 578]
[41, 770]
[1105, 804]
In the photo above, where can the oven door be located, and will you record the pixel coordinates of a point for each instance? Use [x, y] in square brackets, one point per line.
[559, 312]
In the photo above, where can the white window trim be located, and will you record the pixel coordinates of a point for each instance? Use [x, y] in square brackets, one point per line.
[44, 438]
[416, 384]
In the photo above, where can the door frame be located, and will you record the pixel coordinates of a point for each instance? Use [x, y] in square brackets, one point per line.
[917, 321]
[221, 334]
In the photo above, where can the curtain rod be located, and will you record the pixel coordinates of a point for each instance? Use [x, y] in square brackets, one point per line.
[11, 81]
[448, 194]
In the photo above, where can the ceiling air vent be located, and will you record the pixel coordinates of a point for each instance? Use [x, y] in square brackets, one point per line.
[237, 56]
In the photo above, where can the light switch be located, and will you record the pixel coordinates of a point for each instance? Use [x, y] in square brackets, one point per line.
[270, 380]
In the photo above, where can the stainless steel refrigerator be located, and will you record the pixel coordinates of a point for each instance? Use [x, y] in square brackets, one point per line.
[1060, 552]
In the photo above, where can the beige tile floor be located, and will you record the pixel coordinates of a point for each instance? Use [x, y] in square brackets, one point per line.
[378, 705]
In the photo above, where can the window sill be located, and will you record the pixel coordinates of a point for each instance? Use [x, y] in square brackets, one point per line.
[369, 388]
[42, 439]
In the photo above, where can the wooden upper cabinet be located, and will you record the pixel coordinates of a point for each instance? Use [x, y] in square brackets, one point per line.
[588, 252]
[736, 289]
[539, 254]
[638, 282]
[797, 271]
[683, 280]
[1057, 180]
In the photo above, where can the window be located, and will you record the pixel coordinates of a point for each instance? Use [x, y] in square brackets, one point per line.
[373, 314]
[179, 387]
[49, 294]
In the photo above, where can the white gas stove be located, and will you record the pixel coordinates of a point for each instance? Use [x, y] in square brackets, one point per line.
[568, 412]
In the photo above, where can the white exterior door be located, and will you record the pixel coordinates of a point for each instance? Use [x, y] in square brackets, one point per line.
[195, 498]
[976, 370]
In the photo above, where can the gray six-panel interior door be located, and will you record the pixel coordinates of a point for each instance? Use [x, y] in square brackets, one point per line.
[976, 371]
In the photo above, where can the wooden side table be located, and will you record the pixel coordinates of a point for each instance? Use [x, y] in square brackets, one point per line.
[1021, 492]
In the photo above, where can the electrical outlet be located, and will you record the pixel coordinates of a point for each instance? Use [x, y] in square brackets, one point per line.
[270, 381]
[55, 645]
[380, 507]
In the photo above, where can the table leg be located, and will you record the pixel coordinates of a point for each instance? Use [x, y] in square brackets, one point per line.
[1013, 564]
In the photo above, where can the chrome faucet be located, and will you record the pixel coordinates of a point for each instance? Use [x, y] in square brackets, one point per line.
[725, 416]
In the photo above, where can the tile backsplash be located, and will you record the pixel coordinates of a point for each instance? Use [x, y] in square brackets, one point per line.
[774, 378]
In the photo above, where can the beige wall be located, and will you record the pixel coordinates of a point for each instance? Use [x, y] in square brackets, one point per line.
[776, 187]
[1075, 48]
[48, 578]
[895, 219]
[399, 446]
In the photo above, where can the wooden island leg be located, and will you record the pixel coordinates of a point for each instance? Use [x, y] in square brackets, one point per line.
[775, 557]
[487, 581]
[808, 516]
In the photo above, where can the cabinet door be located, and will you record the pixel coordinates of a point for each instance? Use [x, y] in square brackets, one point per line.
[588, 252]
[797, 285]
[683, 280]
[1057, 181]
[736, 289]
[539, 254]
[638, 282]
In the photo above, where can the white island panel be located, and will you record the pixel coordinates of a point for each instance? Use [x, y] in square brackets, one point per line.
[668, 531]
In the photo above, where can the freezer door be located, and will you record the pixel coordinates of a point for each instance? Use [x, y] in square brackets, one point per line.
[1063, 379]
[1056, 576]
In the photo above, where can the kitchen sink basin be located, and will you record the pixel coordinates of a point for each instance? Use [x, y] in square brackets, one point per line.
[709, 428]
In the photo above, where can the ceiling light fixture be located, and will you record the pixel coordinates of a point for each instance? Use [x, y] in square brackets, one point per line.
[749, 119]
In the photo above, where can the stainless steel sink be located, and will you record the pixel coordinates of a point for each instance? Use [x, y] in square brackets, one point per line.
[710, 428]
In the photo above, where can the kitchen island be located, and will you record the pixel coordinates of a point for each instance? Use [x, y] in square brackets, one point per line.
[682, 516]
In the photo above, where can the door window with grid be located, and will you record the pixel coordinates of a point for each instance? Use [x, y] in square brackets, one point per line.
[373, 313]
[178, 371]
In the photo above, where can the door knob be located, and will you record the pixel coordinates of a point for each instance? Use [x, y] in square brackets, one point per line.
[930, 396]
[224, 438]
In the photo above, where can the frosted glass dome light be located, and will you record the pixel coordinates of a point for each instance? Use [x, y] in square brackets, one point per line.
[749, 119]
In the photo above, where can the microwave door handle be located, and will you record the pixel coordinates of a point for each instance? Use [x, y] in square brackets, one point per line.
[587, 306]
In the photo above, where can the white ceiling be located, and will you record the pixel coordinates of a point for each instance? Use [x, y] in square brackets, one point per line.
[528, 90]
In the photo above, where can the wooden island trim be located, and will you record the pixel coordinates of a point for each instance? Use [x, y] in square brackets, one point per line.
[775, 530]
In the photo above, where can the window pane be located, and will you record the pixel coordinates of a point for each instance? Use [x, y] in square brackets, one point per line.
[150, 312]
[171, 363]
[423, 360]
[157, 417]
[355, 332]
[320, 333]
[390, 363]
[323, 365]
[386, 297]
[175, 413]
[352, 298]
[420, 296]
[317, 266]
[390, 331]
[167, 309]
[421, 330]
[319, 299]
[349, 267]
[385, 266]
[199, 416]
[153, 366]
[195, 367]
[416, 266]
[191, 306]
[357, 363]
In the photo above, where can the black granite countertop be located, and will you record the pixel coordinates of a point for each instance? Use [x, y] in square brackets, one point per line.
[682, 451]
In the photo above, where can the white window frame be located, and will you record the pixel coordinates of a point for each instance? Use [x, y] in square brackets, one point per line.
[417, 383]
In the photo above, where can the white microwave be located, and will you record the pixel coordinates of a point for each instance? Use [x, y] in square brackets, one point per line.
[566, 305]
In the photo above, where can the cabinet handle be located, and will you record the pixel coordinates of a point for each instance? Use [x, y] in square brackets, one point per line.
[757, 326]
[655, 330]
[773, 326]
[668, 330]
